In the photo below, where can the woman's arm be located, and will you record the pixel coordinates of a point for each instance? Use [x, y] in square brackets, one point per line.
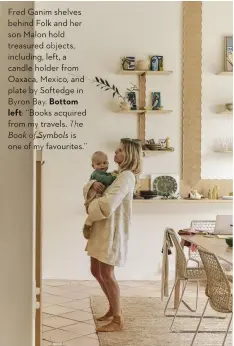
[101, 208]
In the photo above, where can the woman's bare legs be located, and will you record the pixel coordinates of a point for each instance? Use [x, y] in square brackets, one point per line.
[107, 273]
[96, 272]
[112, 287]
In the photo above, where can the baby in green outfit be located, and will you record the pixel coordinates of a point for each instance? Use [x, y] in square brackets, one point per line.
[100, 164]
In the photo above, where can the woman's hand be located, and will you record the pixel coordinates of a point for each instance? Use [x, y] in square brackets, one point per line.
[99, 187]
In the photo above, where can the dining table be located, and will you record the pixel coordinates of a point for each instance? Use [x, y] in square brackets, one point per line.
[211, 243]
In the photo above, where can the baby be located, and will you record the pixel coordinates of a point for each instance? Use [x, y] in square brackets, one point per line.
[100, 165]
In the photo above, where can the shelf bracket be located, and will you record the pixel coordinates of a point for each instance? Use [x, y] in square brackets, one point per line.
[141, 116]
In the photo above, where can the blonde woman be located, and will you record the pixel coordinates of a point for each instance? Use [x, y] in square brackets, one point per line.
[111, 217]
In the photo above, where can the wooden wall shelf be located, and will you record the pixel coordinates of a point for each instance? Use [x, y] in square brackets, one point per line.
[142, 96]
[201, 201]
[155, 152]
[225, 73]
[161, 111]
[140, 72]
[225, 112]
[223, 151]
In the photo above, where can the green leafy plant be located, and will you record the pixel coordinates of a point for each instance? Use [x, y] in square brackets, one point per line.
[105, 85]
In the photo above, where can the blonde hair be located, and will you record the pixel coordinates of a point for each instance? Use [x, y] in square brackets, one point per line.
[133, 156]
[97, 155]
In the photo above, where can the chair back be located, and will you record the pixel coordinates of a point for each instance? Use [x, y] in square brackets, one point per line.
[181, 262]
[218, 288]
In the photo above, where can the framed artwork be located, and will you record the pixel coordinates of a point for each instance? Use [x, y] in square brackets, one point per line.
[156, 100]
[128, 63]
[131, 96]
[165, 184]
[156, 63]
[228, 53]
[163, 143]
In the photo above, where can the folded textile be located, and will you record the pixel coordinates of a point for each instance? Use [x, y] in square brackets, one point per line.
[167, 244]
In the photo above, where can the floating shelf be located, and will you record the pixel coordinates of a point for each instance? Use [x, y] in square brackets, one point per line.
[140, 72]
[182, 200]
[161, 111]
[155, 152]
[223, 151]
[225, 73]
[225, 112]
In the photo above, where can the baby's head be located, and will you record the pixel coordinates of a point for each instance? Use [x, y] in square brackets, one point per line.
[100, 161]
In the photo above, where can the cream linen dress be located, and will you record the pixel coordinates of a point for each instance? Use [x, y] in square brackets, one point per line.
[111, 217]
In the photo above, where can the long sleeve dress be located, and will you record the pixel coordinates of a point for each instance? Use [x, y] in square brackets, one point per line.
[111, 217]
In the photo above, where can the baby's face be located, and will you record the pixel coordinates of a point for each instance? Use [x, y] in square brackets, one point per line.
[101, 163]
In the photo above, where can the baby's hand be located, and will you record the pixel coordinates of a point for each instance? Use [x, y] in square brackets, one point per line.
[99, 187]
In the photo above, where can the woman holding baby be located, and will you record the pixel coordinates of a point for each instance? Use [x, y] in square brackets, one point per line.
[110, 217]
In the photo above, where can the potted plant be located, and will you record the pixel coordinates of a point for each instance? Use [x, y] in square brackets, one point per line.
[125, 104]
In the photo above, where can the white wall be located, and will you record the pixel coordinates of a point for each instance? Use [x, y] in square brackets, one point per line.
[217, 22]
[16, 217]
[110, 31]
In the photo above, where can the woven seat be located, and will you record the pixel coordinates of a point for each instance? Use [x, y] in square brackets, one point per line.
[183, 273]
[218, 288]
[229, 275]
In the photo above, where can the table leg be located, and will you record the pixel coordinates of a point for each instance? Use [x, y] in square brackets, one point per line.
[177, 287]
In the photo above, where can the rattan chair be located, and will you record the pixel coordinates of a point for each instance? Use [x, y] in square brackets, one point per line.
[201, 226]
[218, 288]
[206, 226]
[184, 273]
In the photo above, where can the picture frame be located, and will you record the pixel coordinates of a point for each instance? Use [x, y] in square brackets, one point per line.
[163, 142]
[228, 53]
[156, 63]
[128, 63]
[156, 100]
[131, 96]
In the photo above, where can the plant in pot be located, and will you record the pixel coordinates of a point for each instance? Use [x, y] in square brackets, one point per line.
[125, 104]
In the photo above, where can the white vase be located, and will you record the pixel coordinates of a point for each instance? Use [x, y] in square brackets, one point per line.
[143, 65]
[125, 105]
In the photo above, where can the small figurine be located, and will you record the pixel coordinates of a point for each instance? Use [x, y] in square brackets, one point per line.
[167, 142]
[195, 195]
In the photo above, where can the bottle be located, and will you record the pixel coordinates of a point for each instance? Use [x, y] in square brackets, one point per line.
[214, 193]
[217, 191]
[209, 194]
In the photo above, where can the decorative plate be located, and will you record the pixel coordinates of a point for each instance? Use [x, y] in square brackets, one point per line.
[164, 185]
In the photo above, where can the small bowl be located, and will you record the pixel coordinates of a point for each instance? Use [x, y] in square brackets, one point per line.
[229, 106]
[229, 241]
[153, 146]
[148, 194]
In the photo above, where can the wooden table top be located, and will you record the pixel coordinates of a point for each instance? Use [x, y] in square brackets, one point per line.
[212, 244]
